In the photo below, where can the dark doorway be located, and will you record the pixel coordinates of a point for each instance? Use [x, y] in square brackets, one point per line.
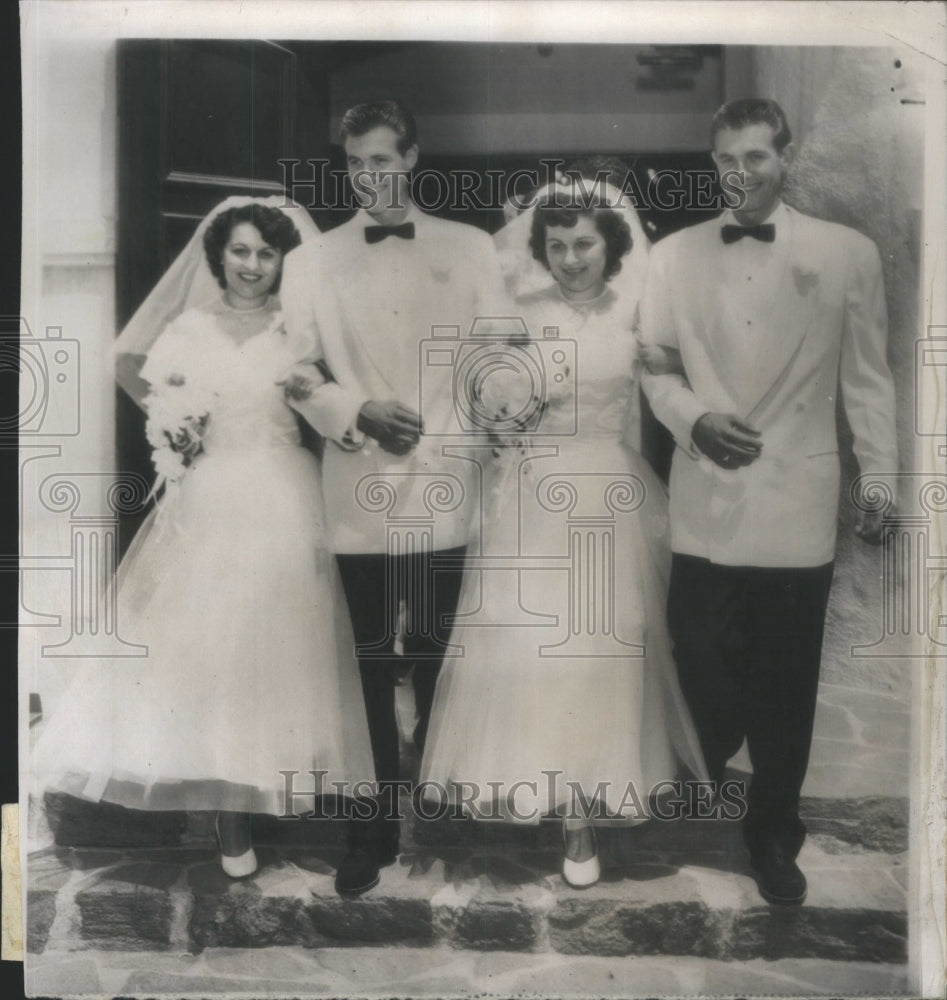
[198, 121]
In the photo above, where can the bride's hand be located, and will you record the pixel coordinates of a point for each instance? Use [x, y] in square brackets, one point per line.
[660, 360]
[296, 387]
[299, 384]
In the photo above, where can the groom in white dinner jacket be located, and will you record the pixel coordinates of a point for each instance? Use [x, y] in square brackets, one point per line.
[771, 310]
[369, 296]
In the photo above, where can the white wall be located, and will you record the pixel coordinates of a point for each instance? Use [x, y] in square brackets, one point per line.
[75, 175]
[70, 135]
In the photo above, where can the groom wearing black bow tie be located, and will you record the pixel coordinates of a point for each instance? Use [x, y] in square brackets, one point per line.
[369, 296]
[772, 311]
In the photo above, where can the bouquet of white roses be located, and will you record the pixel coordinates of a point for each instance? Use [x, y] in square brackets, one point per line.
[509, 411]
[178, 413]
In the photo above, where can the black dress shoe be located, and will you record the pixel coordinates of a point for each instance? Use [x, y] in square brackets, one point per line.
[358, 871]
[778, 877]
[387, 851]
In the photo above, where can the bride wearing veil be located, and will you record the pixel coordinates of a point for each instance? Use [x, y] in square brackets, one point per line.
[249, 668]
[563, 697]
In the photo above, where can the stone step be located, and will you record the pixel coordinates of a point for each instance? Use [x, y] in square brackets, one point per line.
[499, 892]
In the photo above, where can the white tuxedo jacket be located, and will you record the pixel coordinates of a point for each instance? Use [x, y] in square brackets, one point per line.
[779, 365]
[368, 308]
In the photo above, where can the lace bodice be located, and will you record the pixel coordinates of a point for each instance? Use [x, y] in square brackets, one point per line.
[233, 360]
[598, 375]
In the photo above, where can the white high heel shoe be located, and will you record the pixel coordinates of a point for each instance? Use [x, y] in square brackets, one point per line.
[581, 874]
[236, 867]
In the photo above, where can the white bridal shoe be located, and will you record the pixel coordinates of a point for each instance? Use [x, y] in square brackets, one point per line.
[236, 867]
[581, 874]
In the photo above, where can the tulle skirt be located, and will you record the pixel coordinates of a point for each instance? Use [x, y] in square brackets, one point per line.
[563, 691]
[250, 669]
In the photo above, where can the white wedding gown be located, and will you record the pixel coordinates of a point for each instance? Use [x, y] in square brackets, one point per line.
[569, 693]
[250, 668]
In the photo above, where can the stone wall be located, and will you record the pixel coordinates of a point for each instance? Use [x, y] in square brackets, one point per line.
[857, 120]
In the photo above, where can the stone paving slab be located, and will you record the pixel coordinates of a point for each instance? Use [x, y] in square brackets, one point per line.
[130, 905]
[445, 972]
[860, 746]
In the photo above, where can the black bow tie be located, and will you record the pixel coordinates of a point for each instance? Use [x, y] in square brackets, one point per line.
[375, 234]
[765, 232]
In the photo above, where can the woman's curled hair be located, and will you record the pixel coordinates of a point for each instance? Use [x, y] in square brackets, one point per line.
[275, 227]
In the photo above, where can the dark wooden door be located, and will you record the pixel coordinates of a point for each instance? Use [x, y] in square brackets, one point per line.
[198, 121]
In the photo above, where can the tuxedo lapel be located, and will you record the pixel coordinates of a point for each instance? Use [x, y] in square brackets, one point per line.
[367, 334]
[713, 323]
[749, 364]
[393, 291]
[793, 313]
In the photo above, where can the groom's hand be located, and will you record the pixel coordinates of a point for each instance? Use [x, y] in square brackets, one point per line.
[727, 440]
[396, 427]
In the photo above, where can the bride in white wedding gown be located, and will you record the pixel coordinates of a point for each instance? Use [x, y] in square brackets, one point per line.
[250, 668]
[585, 690]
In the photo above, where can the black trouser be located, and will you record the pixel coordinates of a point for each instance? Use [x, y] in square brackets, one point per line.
[748, 643]
[376, 586]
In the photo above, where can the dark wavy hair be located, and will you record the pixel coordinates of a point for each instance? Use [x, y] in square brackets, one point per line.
[599, 167]
[752, 111]
[559, 210]
[275, 227]
[374, 114]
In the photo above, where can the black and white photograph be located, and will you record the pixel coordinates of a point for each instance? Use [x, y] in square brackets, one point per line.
[482, 487]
